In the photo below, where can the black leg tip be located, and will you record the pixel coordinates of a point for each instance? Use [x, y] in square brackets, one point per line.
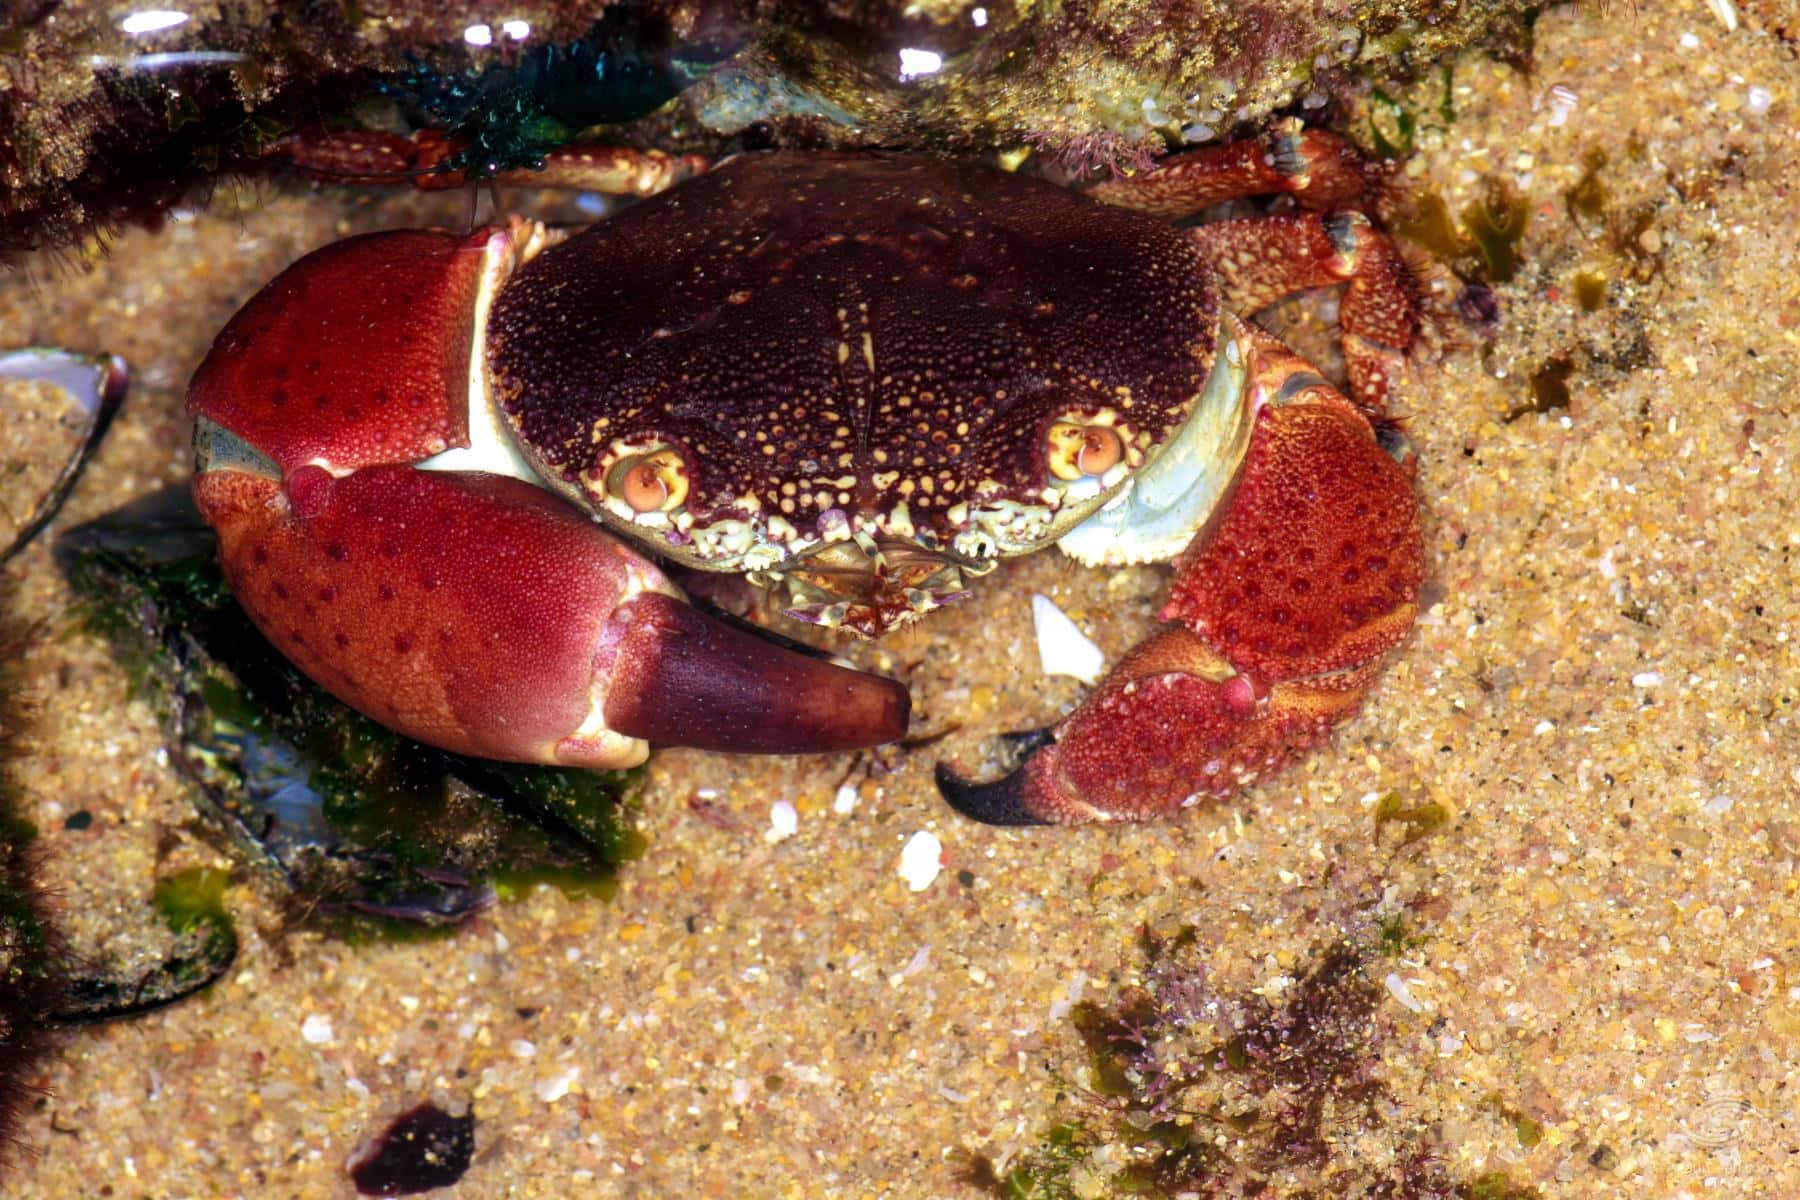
[1001, 802]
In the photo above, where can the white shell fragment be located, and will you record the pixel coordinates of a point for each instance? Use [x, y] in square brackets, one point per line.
[921, 860]
[1062, 647]
[784, 820]
[1401, 990]
[557, 1086]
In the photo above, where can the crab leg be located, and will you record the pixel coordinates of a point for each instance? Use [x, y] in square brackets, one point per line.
[1261, 259]
[1319, 169]
[1282, 609]
[467, 609]
[372, 156]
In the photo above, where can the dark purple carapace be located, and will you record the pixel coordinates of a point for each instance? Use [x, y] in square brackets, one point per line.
[844, 334]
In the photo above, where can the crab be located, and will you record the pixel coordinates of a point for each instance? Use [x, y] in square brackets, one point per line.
[443, 467]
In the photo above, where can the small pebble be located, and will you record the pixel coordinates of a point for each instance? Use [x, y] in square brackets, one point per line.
[1646, 679]
[1561, 102]
[316, 1029]
[1400, 990]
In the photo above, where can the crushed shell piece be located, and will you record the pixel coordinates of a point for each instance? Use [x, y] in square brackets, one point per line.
[557, 1086]
[1062, 648]
[784, 819]
[1401, 990]
[920, 860]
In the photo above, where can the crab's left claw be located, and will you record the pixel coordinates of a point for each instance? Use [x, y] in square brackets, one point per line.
[1282, 610]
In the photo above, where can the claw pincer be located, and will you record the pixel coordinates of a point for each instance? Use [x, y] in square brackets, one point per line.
[462, 607]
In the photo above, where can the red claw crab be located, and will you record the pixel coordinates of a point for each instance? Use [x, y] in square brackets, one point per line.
[441, 465]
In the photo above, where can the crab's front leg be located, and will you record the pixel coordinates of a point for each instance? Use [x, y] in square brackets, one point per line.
[1282, 608]
[467, 609]
[427, 160]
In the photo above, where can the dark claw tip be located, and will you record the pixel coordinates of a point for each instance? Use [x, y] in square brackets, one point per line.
[1001, 802]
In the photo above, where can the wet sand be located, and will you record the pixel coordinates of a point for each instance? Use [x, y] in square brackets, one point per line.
[1601, 692]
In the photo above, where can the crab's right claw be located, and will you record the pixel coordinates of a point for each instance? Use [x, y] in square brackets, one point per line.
[469, 610]
[1283, 609]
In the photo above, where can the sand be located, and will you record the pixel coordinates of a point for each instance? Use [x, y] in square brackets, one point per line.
[1601, 692]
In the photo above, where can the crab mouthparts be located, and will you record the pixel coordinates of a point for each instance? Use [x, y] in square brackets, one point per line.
[868, 586]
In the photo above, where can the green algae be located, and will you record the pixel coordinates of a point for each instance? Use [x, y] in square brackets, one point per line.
[362, 826]
[1482, 242]
[1415, 820]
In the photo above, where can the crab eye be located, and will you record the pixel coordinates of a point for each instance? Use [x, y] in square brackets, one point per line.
[1076, 451]
[652, 482]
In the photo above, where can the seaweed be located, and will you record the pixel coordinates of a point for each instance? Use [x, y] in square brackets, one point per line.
[1549, 389]
[1484, 246]
[1197, 1092]
[32, 978]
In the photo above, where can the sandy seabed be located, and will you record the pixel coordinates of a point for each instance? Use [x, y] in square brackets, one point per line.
[1601, 692]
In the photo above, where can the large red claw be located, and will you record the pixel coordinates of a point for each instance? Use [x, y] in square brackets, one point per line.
[472, 611]
[482, 615]
[1282, 610]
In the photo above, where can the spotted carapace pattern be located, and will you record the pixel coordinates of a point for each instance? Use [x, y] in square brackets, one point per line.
[828, 337]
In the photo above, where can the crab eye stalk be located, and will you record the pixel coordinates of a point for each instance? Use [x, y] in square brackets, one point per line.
[652, 482]
[1076, 451]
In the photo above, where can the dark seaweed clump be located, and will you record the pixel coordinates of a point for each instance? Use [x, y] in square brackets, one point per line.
[1211, 1094]
[31, 981]
[512, 114]
[31, 978]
